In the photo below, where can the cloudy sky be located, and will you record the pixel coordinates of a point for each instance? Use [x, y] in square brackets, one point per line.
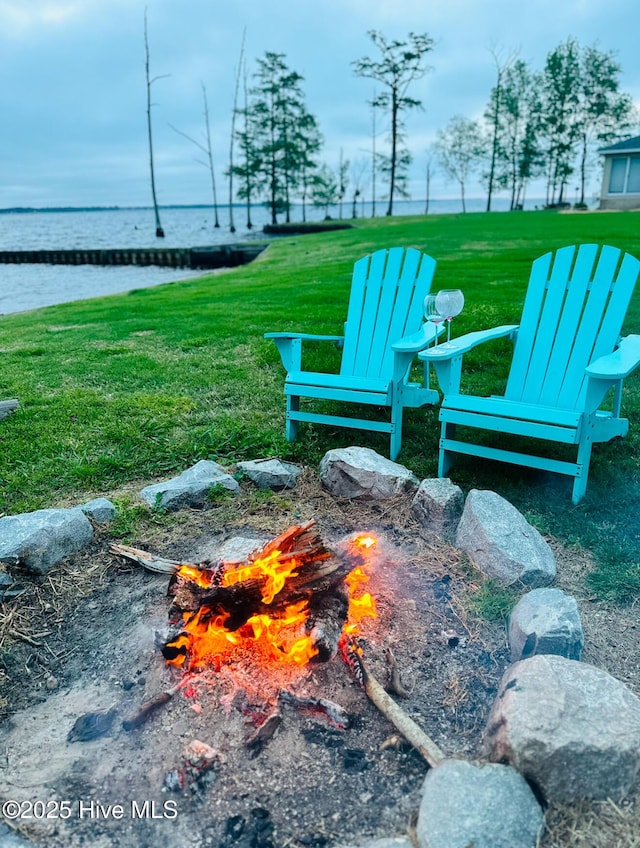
[73, 96]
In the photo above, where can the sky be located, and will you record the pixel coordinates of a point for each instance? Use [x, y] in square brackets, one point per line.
[73, 92]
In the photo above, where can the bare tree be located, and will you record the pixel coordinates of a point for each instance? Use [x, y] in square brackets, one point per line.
[248, 141]
[358, 170]
[234, 111]
[150, 81]
[343, 181]
[373, 155]
[401, 63]
[207, 150]
[494, 116]
[428, 174]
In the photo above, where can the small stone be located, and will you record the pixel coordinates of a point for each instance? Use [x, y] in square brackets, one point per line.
[545, 621]
[51, 683]
[238, 548]
[437, 506]
[100, 509]
[191, 488]
[271, 473]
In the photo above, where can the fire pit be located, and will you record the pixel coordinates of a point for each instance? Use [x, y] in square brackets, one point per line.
[258, 734]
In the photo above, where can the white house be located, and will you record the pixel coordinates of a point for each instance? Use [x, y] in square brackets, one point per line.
[621, 175]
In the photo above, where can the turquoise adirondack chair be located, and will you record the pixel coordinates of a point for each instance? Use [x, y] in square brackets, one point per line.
[568, 354]
[384, 331]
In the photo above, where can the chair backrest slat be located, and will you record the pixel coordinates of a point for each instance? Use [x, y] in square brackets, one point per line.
[591, 324]
[545, 336]
[573, 313]
[581, 277]
[528, 327]
[387, 294]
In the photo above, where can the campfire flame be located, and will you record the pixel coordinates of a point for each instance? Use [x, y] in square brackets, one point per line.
[270, 637]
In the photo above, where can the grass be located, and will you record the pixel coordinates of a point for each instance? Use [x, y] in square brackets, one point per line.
[137, 386]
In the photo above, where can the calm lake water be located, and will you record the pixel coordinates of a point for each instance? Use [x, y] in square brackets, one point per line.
[24, 287]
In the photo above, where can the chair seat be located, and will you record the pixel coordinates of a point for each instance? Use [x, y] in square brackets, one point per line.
[318, 379]
[503, 408]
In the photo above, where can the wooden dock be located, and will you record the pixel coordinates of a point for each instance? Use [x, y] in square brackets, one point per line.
[219, 256]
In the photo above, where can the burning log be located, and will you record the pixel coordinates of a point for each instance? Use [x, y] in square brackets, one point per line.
[327, 616]
[294, 586]
[414, 734]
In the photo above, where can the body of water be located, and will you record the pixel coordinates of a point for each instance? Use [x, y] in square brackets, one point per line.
[24, 287]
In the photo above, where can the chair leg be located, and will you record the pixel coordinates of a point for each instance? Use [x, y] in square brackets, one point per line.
[396, 432]
[291, 427]
[445, 458]
[583, 461]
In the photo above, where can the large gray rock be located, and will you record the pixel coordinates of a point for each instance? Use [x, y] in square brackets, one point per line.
[501, 542]
[571, 728]
[355, 472]
[485, 805]
[437, 506]
[191, 488]
[39, 540]
[271, 473]
[545, 621]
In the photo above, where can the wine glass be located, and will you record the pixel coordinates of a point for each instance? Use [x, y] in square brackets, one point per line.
[449, 302]
[433, 314]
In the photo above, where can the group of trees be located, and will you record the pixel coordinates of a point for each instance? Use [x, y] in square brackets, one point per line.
[279, 140]
[540, 124]
[536, 124]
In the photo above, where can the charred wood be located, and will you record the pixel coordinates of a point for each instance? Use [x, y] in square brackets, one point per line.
[150, 707]
[264, 732]
[321, 708]
[327, 616]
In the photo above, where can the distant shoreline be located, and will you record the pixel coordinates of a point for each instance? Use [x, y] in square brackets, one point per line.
[32, 210]
[35, 209]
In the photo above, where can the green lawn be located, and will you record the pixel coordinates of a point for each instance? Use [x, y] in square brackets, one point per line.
[140, 385]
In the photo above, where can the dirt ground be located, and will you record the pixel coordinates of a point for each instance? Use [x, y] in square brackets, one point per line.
[85, 638]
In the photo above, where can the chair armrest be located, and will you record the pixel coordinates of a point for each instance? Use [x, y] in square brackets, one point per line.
[465, 343]
[448, 363]
[303, 336]
[290, 346]
[620, 363]
[417, 341]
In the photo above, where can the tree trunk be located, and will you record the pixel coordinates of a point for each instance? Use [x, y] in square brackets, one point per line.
[394, 148]
[159, 230]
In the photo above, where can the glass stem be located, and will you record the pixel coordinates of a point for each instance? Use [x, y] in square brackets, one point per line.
[448, 330]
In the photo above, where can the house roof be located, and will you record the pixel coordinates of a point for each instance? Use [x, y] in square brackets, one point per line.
[629, 145]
